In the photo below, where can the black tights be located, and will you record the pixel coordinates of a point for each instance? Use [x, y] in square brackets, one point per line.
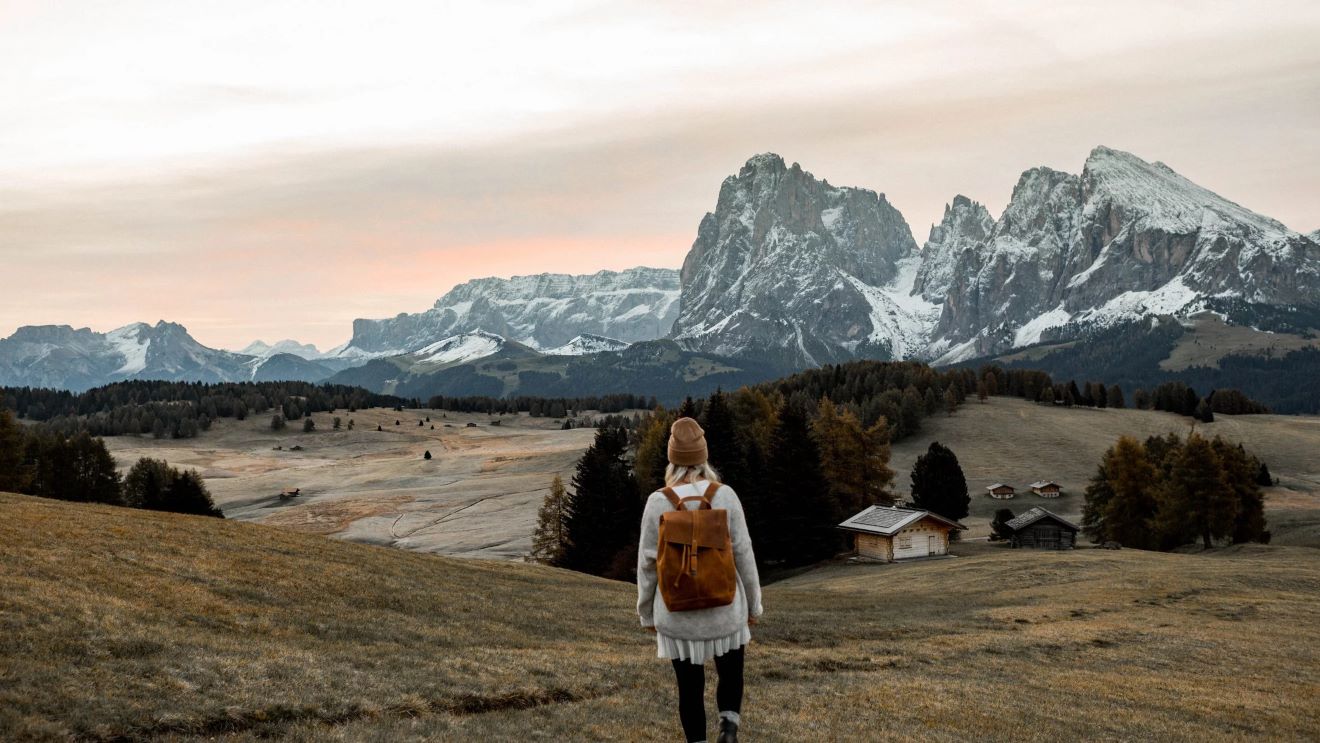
[692, 689]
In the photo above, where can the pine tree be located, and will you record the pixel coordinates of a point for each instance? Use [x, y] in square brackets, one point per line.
[799, 513]
[1203, 412]
[14, 477]
[427, 455]
[1130, 514]
[1096, 502]
[855, 461]
[999, 525]
[688, 409]
[950, 401]
[1115, 397]
[309, 425]
[1263, 476]
[604, 511]
[188, 494]
[147, 484]
[938, 484]
[1240, 472]
[338, 423]
[277, 422]
[1141, 399]
[550, 540]
[1196, 501]
[652, 453]
[722, 439]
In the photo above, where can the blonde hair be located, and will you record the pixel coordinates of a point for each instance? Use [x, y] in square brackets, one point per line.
[678, 474]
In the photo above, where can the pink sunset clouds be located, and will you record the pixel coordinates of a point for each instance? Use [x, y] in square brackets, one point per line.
[260, 171]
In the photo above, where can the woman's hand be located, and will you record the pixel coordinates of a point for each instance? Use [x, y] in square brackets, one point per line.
[650, 629]
[752, 621]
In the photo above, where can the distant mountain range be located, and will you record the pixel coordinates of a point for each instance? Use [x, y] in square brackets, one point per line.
[789, 272]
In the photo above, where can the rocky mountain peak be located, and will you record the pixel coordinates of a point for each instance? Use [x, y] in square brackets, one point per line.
[965, 226]
[782, 252]
[1125, 239]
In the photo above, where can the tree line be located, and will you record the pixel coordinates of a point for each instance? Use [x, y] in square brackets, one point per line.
[165, 409]
[78, 467]
[1174, 397]
[541, 407]
[804, 454]
[1168, 492]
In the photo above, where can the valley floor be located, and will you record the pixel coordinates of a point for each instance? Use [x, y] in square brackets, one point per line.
[477, 497]
[479, 494]
[123, 625]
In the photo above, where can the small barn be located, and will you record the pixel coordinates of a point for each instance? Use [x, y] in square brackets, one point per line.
[1038, 528]
[1001, 491]
[1046, 488]
[891, 533]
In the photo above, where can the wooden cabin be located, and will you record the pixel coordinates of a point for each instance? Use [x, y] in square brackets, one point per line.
[1001, 491]
[1038, 528]
[1047, 488]
[891, 533]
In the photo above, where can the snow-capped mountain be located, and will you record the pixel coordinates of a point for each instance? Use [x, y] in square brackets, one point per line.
[792, 269]
[965, 225]
[264, 350]
[540, 311]
[587, 343]
[1124, 240]
[459, 348]
[60, 356]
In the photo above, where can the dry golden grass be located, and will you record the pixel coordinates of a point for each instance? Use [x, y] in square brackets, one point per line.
[119, 624]
[1212, 339]
[1017, 442]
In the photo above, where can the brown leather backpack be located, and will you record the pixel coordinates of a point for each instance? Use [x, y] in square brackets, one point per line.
[694, 564]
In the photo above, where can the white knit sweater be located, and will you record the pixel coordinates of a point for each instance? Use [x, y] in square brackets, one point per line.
[717, 622]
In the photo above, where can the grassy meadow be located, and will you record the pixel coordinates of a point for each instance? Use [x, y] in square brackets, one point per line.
[131, 625]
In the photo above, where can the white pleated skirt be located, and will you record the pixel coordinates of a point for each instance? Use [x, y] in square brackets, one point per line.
[700, 651]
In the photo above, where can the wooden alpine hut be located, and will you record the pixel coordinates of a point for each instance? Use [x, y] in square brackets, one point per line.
[1001, 491]
[891, 533]
[1038, 528]
[1046, 488]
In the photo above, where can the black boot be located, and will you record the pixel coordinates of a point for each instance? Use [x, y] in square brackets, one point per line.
[728, 731]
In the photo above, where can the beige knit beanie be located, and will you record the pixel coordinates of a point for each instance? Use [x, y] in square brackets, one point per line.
[687, 443]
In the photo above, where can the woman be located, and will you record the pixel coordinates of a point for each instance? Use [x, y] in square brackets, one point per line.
[689, 638]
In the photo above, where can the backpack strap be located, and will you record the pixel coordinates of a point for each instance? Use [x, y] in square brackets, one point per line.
[677, 502]
[674, 500]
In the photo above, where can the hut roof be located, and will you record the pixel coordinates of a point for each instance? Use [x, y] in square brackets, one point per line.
[1043, 483]
[1032, 515]
[997, 486]
[889, 520]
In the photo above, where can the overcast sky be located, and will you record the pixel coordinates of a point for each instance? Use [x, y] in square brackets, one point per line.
[275, 169]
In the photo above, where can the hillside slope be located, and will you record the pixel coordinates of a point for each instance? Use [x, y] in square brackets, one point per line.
[1011, 441]
[118, 624]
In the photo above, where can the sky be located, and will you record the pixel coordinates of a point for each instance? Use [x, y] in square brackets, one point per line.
[276, 169]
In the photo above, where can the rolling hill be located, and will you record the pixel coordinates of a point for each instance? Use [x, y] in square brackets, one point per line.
[128, 625]
[1011, 441]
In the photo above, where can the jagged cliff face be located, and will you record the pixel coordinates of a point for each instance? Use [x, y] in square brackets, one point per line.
[792, 269]
[542, 311]
[966, 224]
[1126, 239]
